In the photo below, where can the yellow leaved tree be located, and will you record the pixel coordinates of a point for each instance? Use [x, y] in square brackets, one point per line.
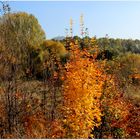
[82, 90]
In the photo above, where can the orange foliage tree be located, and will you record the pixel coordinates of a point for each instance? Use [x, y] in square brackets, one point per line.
[116, 110]
[82, 90]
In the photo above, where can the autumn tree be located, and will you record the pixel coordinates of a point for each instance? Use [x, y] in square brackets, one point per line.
[119, 100]
[81, 94]
[20, 34]
[115, 109]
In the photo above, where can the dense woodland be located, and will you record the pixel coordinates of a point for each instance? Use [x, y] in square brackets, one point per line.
[79, 87]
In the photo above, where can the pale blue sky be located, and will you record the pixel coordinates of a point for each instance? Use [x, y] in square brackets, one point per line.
[118, 19]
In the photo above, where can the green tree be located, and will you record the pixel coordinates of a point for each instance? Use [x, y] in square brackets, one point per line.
[21, 35]
[49, 54]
